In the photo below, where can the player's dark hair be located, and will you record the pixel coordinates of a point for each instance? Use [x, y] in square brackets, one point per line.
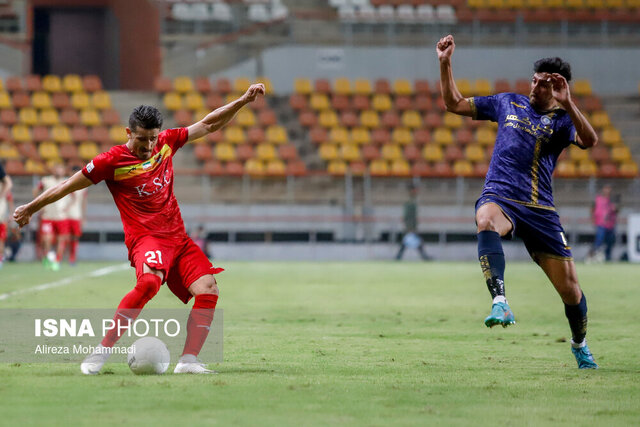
[553, 65]
[145, 117]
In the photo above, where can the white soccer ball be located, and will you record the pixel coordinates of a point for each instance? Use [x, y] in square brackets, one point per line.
[149, 356]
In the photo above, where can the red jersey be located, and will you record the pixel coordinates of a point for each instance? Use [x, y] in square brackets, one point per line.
[143, 189]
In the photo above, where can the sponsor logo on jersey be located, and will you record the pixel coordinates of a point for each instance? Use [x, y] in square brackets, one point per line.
[90, 166]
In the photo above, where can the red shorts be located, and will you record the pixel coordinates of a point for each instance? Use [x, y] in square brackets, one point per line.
[3, 234]
[74, 226]
[181, 261]
[56, 228]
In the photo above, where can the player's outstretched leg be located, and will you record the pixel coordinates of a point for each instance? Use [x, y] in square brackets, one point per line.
[577, 316]
[492, 262]
[198, 326]
[128, 310]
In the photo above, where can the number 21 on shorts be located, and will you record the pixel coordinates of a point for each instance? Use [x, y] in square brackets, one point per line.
[153, 257]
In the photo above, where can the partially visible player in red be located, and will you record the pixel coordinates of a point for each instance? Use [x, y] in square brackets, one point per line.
[53, 221]
[76, 213]
[6, 205]
[139, 175]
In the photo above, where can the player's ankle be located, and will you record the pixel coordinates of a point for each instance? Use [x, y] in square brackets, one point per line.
[499, 298]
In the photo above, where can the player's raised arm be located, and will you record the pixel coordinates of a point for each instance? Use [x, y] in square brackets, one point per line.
[587, 136]
[23, 213]
[453, 99]
[223, 115]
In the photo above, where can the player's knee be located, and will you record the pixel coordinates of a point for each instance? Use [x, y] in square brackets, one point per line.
[206, 286]
[485, 223]
[148, 285]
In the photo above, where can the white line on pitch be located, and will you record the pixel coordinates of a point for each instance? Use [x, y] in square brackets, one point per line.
[63, 282]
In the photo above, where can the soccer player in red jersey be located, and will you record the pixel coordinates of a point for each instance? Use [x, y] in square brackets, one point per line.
[139, 175]
[6, 203]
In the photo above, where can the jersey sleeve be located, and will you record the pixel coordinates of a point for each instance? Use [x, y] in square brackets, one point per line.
[175, 138]
[100, 168]
[567, 134]
[485, 107]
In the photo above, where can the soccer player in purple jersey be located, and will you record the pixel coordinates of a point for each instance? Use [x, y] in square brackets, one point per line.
[517, 197]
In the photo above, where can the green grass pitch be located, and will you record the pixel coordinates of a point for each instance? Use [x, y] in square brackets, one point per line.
[353, 344]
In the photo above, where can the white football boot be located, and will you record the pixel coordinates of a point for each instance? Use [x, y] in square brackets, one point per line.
[92, 364]
[189, 364]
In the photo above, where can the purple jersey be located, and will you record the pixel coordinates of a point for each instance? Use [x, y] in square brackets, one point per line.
[528, 144]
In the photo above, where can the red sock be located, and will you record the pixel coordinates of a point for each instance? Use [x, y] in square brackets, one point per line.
[73, 250]
[131, 305]
[199, 323]
[62, 243]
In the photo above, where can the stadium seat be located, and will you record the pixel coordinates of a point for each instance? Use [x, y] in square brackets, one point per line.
[322, 86]
[370, 152]
[241, 84]
[80, 100]
[349, 152]
[100, 134]
[61, 134]
[318, 135]
[246, 118]
[462, 168]
[72, 83]
[49, 117]
[482, 87]
[628, 169]
[162, 85]
[34, 167]
[111, 117]
[390, 119]
[432, 153]
[79, 133]
[277, 134]
[118, 134]
[443, 136]
[522, 87]
[101, 100]
[20, 133]
[600, 120]
[87, 150]
[275, 167]
[566, 169]
[411, 119]
[577, 154]
[8, 117]
[41, 100]
[403, 103]
[433, 120]
[51, 83]
[337, 167]
[340, 102]
[266, 151]
[70, 117]
[234, 134]
[391, 152]
[28, 149]
[380, 136]
[379, 167]
[421, 137]
[5, 100]
[60, 100]
[600, 154]
[463, 136]
[223, 85]
[90, 117]
[48, 150]
[172, 101]
[342, 86]
[302, 86]
[297, 102]
[361, 102]
[349, 119]
[411, 152]
[202, 85]
[402, 136]
[485, 136]
[587, 168]
[288, 152]
[267, 117]
[14, 84]
[581, 88]
[360, 136]
[402, 87]
[28, 116]
[308, 119]
[369, 119]
[328, 119]
[319, 102]
[423, 103]
[382, 87]
[474, 153]
[452, 121]
[8, 151]
[328, 151]
[39, 133]
[224, 152]
[620, 154]
[32, 83]
[339, 135]
[400, 167]
[362, 87]
[453, 153]
[91, 83]
[611, 136]
[502, 86]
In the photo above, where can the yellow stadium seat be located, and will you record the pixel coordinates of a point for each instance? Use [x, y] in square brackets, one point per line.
[246, 118]
[234, 134]
[534, 4]
[118, 134]
[443, 136]
[360, 136]
[48, 150]
[224, 152]
[381, 102]
[328, 119]
[614, 4]
[49, 117]
[474, 153]
[628, 169]
[231, 97]
[41, 100]
[319, 101]
[566, 169]
[452, 121]
[241, 84]
[595, 4]
[400, 167]
[554, 4]
[485, 136]
[302, 86]
[101, 100]
[276, 167]
[362, 87]
[342, 86]
[172, 101]
[587, 168]
[620, 153]
[72, 83]
[379, 167]
[339, 135]
[28, 116]
[432, 153]
[88, 150]
[90, 118]
[277, 134]
[337, 167]
[193, 101]
[464, 86]
[80, 100]
[349, 152]
[391, 152]
[600, 120]
[369, 119]
[328, 151]
[268, 86]
[254, 167]
[577, 154]
[611, 136]
[35, 167]
[5, 100]
[581, 87]
[2, 84]
[51, 83]
[462, 168]
[411, 119]
[183, 84]
[402, 87]
[60, 134]
[266, 151]
[482, 87]
[495, 4]
[8, 151]
[402, 136]
[477, 4]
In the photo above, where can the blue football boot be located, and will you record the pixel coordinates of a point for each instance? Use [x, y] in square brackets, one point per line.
[501, 314]
[584, 357]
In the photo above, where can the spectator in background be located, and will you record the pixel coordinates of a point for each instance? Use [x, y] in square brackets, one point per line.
[14, 241]
[604, 215]
[411, 239]
[199, 237]
[6, 205]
